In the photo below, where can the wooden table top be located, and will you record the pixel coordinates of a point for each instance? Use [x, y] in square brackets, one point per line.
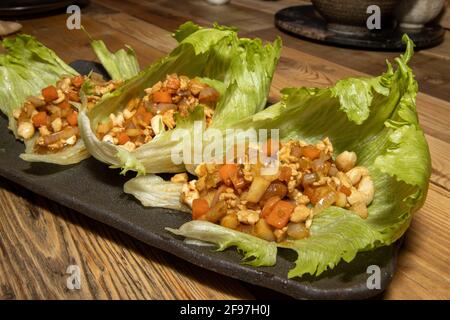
[39, 239]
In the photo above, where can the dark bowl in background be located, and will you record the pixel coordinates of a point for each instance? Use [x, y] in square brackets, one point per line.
[24, 9]
[349, 16]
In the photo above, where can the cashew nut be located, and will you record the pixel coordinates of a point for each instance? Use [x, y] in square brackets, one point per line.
[356, 196]
[360, 209]
[280, 234]
[346, 161]
[356, 174]
[364, 192]
[366, 187]
[344, 179]
[341, 199]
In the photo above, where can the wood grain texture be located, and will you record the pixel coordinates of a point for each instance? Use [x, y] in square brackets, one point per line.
[423, 271]
[39, 239]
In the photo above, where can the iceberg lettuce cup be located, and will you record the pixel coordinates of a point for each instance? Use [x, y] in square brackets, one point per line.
[373, 117]
[40, 95]
[212, 77]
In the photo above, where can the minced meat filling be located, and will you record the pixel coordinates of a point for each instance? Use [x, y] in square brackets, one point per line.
[52, 114]
[280, 206]
[144, 118]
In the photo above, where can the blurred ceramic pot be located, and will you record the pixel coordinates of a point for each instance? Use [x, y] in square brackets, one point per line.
[413, 14]
[349, 16]
[218, 2]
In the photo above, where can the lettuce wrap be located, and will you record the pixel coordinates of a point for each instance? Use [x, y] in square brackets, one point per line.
[374, 116]
[240, 69]
[28, 66]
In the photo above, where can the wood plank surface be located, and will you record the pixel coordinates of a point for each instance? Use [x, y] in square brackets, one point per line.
[39, 239]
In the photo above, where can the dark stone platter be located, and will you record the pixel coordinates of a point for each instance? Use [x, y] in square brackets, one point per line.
[305, 22]
[93, 189]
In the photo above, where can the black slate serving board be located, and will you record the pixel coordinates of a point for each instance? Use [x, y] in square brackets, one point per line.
[92, 189]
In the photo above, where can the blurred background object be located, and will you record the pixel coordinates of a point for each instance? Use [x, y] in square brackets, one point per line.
[368, 24]
[22, 8]
[414, 14]
[349, 16]
[9, 27]
[218, 2]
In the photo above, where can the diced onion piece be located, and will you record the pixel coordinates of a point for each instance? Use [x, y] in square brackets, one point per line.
[208, 95]
[297, 230]
[217, 212]
[230, 221]
[36, 101]
[133, 132]
[66, 133]
[263, 230]
[257, 189]
[219, 191]
[160, 108]
[325, 201]
[309, 178]
[276, 188]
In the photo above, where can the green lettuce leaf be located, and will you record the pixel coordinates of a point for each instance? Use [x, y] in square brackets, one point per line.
[121, 65]
[256, 252]
[376, 118]
[240, 68]
[152, 191]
